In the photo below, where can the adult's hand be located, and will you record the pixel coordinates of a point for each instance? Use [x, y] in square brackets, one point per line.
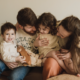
[42, 42]
[11, 65]
[63, 54]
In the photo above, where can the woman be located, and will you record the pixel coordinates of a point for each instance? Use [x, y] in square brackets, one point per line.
[68, 28]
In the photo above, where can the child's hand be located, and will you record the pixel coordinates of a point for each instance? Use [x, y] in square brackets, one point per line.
[20, 59]
[41, 56]
[42, 42]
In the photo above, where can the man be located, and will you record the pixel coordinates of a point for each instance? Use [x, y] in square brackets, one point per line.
[25, 36]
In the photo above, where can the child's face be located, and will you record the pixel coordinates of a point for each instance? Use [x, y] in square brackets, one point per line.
[9, 35]
[43, 29]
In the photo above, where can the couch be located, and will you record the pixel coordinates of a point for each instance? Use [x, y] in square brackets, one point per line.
[36, 74]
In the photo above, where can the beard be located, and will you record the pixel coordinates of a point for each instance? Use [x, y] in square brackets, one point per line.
[30, 32]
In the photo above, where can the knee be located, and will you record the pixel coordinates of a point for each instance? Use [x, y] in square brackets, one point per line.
[51, 67]
[15, 77]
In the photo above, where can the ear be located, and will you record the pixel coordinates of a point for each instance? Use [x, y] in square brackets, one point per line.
[20, 26]
[2, 36]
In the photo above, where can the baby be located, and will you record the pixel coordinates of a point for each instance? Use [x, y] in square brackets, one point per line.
[8, 47]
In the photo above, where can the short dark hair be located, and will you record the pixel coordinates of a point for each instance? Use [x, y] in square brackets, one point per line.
[48, 20]
[8, 26]
[26, 16]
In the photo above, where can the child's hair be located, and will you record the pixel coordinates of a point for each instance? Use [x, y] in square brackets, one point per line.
[47, 20]
[26, 16]
[7, 26]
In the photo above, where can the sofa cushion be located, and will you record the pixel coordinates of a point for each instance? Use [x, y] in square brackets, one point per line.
[65, 77]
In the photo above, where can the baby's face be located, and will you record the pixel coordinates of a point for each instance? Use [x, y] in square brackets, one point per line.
[9, 35]
[43, 29]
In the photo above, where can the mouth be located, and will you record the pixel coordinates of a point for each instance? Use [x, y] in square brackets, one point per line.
[10, 39]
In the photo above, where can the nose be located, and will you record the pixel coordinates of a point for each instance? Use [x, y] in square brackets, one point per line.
[10, 35]
[57, 34]
[41, 31]
[34, 29]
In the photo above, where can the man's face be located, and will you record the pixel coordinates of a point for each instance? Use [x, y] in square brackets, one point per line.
[61, 32]
[29, 29]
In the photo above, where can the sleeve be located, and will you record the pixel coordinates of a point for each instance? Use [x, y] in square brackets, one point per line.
[6, 55]
[30, 52]
[36, 48]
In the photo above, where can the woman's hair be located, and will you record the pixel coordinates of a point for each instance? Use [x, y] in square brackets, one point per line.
[72, 25]
[47, 20]
[26, 16]
[7, 26]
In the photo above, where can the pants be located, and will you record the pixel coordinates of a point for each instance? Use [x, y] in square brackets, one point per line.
[51, 68]
[16, 74]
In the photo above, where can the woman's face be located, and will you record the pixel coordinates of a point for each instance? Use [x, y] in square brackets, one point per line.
[61, 32]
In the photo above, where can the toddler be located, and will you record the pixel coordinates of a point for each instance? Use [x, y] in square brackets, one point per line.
[8, 47]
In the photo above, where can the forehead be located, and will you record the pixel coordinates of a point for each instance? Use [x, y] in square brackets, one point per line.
[41, 26]
[9, 30]
[63, 31]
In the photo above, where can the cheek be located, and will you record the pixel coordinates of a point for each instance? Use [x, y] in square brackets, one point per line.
[28, 30]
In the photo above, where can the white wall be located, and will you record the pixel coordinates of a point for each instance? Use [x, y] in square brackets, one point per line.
[60, 8]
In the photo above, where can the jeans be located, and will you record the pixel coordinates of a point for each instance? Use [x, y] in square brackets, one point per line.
[17, 73]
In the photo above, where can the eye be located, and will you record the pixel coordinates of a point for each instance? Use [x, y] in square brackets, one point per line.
[12, 33]
[44, 29]
[7, 34]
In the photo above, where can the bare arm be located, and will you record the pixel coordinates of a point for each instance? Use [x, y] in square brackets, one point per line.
[61, 63]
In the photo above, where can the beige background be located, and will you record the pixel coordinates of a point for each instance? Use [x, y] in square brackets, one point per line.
[60, 8]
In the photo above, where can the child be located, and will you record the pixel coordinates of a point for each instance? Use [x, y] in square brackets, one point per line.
[46, 24]
[9, 48]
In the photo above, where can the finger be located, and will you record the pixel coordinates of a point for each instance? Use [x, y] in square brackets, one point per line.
[64, 50]
[23, 62]
[60, 54]
[15, 63]
[12, 66]
[38, 37]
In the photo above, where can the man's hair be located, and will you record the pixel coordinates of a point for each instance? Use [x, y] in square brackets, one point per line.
[72, 24]
[7, 26]
[26, 16]
[47, 20]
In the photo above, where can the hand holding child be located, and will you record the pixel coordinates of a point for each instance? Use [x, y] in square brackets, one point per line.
[63, 54]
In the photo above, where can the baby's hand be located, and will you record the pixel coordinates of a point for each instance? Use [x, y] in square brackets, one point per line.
[20, 59]
[41, 56]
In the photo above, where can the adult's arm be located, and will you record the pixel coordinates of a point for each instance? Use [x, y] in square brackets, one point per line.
[9, 64]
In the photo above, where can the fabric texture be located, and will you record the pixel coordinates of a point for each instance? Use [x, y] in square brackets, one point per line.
[53, 44]
[51, 68]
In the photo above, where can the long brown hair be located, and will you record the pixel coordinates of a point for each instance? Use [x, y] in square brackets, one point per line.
[72, 24]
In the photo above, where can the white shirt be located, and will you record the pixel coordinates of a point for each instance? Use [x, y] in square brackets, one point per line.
[8, 51]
